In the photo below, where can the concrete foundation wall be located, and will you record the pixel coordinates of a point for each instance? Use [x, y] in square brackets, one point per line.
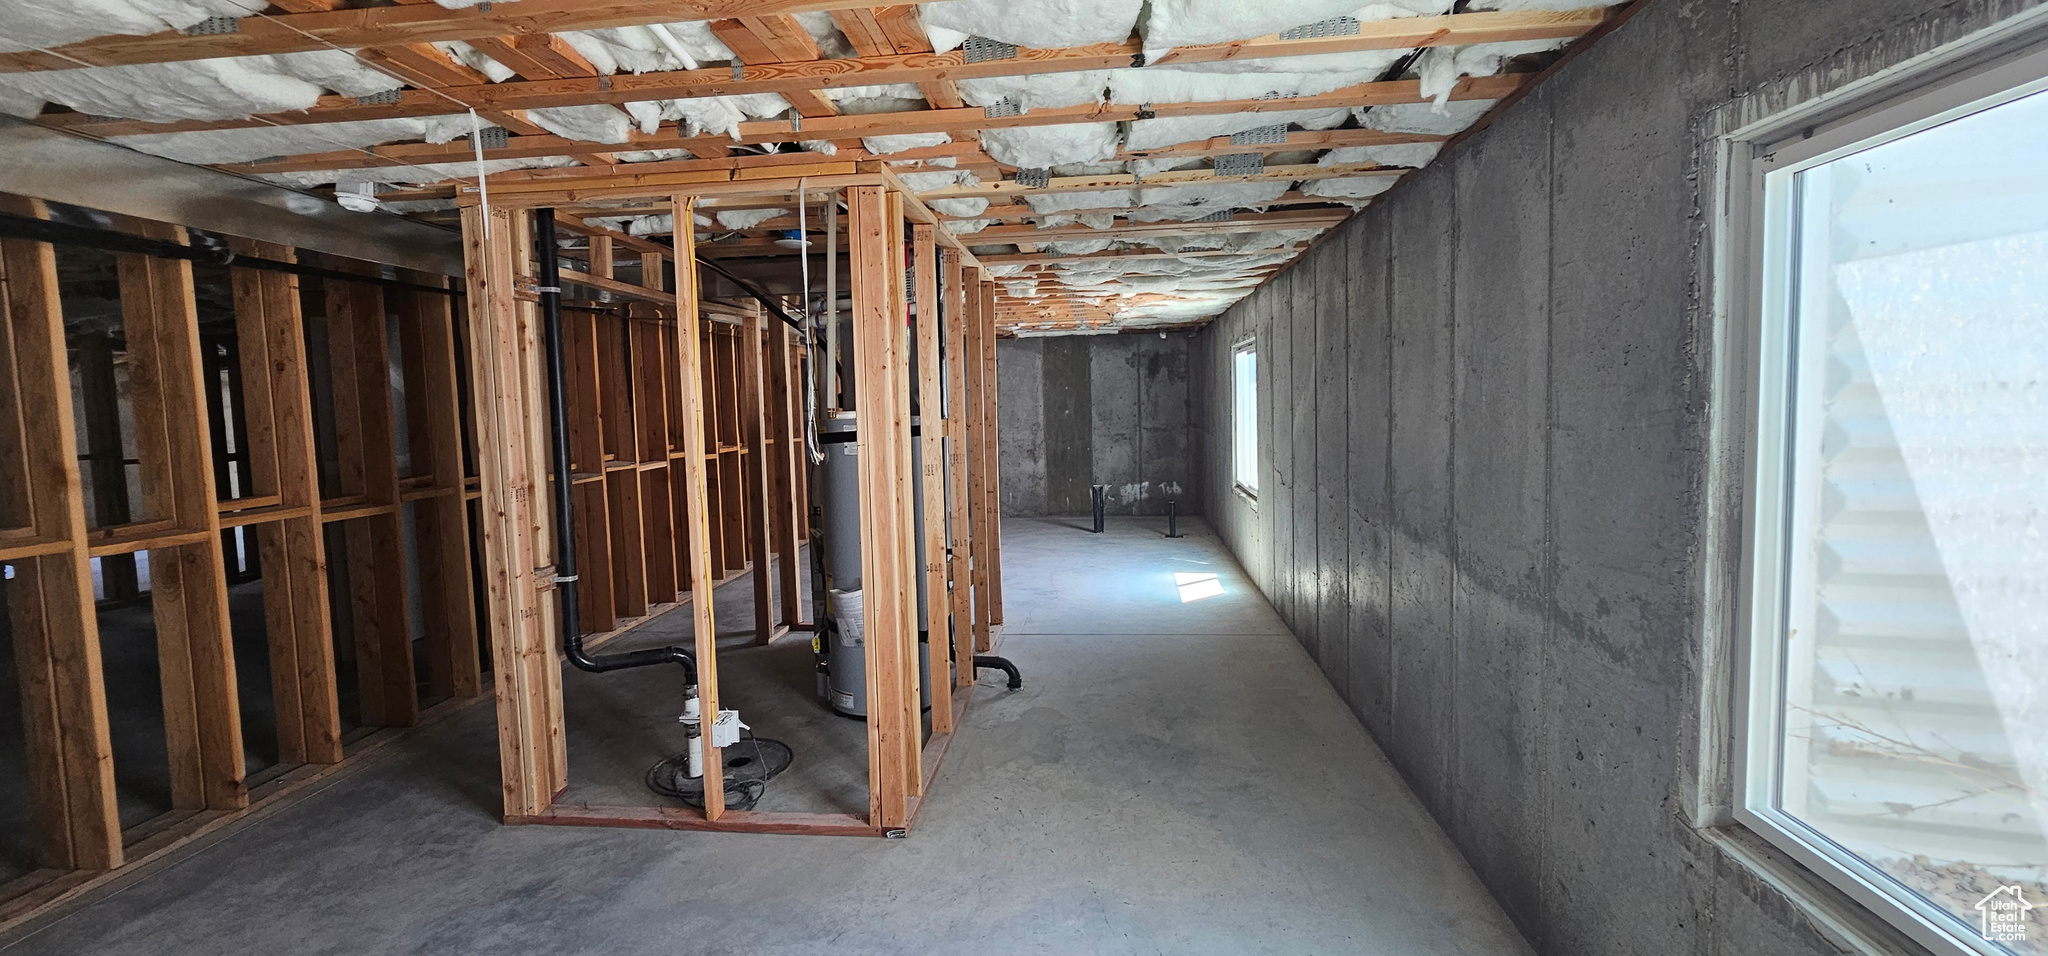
[1082, 410]
[1483, 426]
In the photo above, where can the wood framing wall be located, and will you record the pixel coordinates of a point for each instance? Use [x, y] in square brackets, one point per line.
[226, 437]
[718, 387]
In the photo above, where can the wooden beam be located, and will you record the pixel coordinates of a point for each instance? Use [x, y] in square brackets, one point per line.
[378, 601]
[957, 316]
[405, 23]
[888, 617]
[757, 132]
[278, 406]
[532, 758]
[754, 429]
[69, 754]
[785, 464]
[931, 477]
[202, 719]
[689, 321]
[433, 414]
[992, 490]
[980, 309]
[776, 38]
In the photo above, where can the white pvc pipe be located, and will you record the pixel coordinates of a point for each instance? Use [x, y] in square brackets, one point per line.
[675, 47]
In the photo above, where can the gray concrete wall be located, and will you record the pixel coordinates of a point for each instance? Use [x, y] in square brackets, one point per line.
[1483, 427]
[1081, 410]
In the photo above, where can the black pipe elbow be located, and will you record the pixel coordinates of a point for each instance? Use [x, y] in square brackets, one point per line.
[1002, 664]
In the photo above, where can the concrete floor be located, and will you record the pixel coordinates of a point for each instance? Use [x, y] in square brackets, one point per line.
[1174, 777]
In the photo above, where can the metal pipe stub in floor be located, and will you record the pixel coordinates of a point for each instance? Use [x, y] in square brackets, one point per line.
[1101, 496]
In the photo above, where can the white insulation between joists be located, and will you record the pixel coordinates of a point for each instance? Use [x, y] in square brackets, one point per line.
[225, 88]
[1031, 23]
[1173, 23]
[41, 24]
[245, 145]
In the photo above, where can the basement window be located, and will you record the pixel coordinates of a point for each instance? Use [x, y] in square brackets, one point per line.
[1894, 732]
[1244, 417]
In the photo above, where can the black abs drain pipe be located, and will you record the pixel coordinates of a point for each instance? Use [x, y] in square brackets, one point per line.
[1101, 494]
[565, 531]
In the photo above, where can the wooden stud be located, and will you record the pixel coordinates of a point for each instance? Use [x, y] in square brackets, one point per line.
[503, 380]
[647, 332]
[434, 423]
[359, 351]
[992, 489]
[69, 755]
[754, 426]
[932, 479]
[689, 317]
[784, 467]
[959, 281]
[980, 305]
[888, 617]
[188, 586]
[277, 404]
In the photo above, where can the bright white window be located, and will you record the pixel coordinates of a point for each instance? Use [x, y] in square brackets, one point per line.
[1895, 734]
[1244, 417]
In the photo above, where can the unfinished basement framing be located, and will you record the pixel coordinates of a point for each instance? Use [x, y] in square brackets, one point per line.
[714, 388]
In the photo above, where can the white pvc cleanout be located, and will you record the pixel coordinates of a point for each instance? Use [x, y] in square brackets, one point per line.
[1044, 203]
[1349, 187]
[1039, 91]
[596, 123]
[749, 218]
[884, 145]
[1451, 117]
[1174, 23]
[1415, 155]
[420, 174]
[1033, 23]
[1440, 67]
[1169, 130]
[244, 145]
[1035, 147]
[41, 24]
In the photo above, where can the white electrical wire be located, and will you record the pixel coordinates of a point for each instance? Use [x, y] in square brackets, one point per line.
[812, 446]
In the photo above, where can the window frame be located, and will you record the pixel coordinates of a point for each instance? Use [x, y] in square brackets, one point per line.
[1244, 461]
[1762, 270]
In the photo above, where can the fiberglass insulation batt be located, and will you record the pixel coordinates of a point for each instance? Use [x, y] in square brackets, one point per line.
[1030, 23]
[1173, 23]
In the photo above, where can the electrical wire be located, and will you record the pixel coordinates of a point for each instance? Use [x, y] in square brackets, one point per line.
[669, 777]
[812, 447]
